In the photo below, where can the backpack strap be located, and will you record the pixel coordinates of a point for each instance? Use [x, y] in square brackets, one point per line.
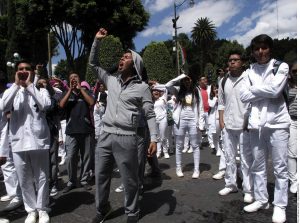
[276, 65]
[285, 91]
[224, 81]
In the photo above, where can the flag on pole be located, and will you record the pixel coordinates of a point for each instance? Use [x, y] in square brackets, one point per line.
[182, 55]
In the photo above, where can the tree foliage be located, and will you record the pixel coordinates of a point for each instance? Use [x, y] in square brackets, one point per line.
[222, 53]
[110, 53]
[158, 62]
[65, 18]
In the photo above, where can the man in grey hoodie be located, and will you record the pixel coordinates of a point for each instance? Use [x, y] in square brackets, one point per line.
[128, 98]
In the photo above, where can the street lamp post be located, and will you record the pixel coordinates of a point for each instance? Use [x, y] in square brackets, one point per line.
[12, 65]
[176, 17]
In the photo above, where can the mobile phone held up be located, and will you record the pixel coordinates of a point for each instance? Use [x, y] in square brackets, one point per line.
[23, 75]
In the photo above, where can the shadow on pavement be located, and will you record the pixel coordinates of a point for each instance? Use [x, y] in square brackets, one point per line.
[203, 167]
[71, 201]
[152, 201]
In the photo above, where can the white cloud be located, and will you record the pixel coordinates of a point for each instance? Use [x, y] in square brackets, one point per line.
[159, 5]
[277, 22]
[218, 11]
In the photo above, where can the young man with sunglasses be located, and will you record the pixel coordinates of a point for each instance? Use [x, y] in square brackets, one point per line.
[231, 118]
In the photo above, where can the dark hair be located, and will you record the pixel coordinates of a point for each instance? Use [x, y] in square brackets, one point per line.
[49, 87]
[24, 61]
[212, 94]
[237, 52]
[182, 91]
[97, 88]
[262, 38]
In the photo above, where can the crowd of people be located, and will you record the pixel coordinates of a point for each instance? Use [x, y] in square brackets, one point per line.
[126, 120]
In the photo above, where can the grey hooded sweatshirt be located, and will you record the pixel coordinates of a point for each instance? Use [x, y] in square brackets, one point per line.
[126, 101]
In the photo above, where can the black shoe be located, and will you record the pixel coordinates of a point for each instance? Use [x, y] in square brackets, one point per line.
[87, 187]
[132, 219]
[15, 203]
[153, 174]
[68, 188]
[100, 218]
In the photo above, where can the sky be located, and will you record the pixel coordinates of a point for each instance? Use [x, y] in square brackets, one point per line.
[239, 20]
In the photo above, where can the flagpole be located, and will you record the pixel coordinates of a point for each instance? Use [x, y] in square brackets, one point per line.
[175, 29]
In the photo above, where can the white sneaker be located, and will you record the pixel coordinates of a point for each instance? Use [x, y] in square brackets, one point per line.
[31, 217]
[158, 154]
[185, 150]
[63, 161]
[220, 175]
[179, 172]
[248, 198]
[3, 220]
[196, 174]
[190, 150]
[166, 155]
[43, 217]
[227, 190]
[6, 198]
[293, 188]
[255, 206]
[278, 215]
[120, 189]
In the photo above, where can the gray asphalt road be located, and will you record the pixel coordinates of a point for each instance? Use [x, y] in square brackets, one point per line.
[166, 200]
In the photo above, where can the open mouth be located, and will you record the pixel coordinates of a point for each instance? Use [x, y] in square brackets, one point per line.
[121, 64]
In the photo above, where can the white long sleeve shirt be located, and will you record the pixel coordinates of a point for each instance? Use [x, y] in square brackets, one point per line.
[28, 125]
[196, 107]
[229, 101]
[4, 140]
[265, 92]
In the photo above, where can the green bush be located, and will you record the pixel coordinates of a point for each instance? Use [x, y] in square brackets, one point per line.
[158, 62]
[110, 53]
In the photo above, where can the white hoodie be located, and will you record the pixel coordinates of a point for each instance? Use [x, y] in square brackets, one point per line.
[265, 92]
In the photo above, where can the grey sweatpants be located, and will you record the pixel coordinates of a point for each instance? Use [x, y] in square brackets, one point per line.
[121, 149]
[78, 143]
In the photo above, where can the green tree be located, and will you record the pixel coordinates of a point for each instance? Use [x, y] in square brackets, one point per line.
[65, 18]
[203, 35]
[30, 42]
[283, 49]
[110, 53]
[222, 53]
[61, 70]
[158, 62]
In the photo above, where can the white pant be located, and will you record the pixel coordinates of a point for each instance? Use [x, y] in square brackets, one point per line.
[292, 153]
[275, 141]
[10, 177]
[161, 127]
[33, 173]
[233, 138]
[195, 140]
[222, 163]
[62, 147]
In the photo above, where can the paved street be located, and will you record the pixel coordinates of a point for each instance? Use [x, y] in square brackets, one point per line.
[169, 200]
